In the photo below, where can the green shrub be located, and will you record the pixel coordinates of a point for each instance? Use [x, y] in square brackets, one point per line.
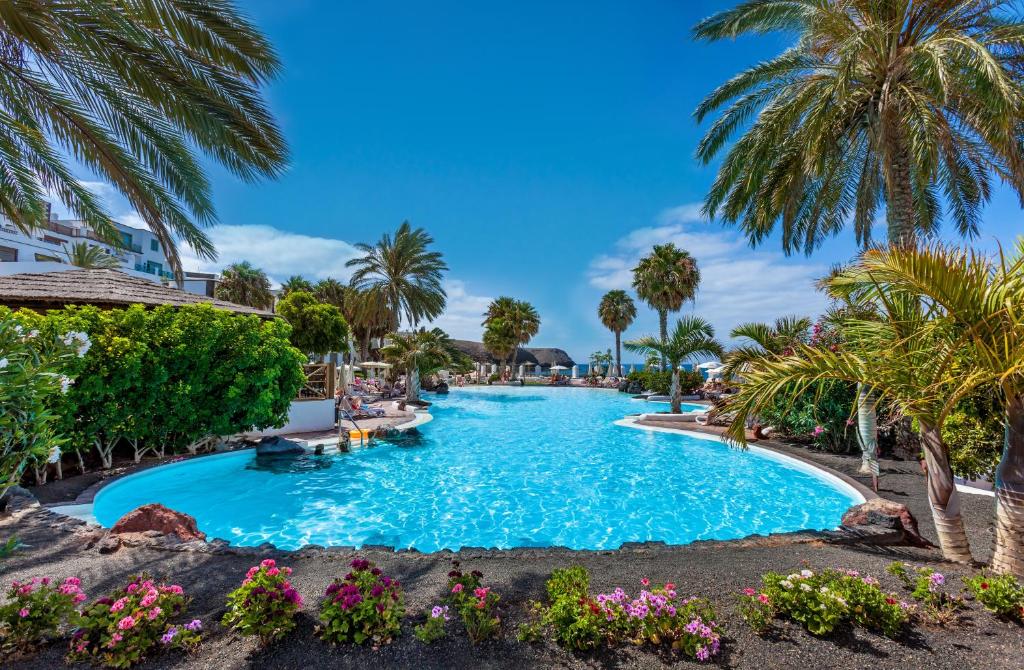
[365, 607]
[926, 587]
[265, 604]
[432, 628]
[36, 610]
[1000, 594]
[661, 381]
[974, 434]
[317, 327]
[821, 415]
[476, 604]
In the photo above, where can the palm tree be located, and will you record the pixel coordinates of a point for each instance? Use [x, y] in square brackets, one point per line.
[419, 353]
[296, 283]
[368, 316]
[331, 291]
[778, 339]
[617, 312]
[895, 103]
[84, 255]
[692, 337]
[907, 361]
[982, 300]
[665, 279]
[404, 273]
[244, 284]
[500, 340]
[131, 90]
[519, 316]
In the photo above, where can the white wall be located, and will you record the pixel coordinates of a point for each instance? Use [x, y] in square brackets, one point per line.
[306, 416]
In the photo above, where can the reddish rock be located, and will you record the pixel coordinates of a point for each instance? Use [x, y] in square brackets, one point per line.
[159, 518]
[882, 512]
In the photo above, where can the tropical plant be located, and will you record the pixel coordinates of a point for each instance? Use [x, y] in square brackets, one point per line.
[331, 291]
[519, 316]
[617, 312]
[600, 362]
[692, 337]
[131, 90]
[500, 339]
[296, 283]
[895, 103]
[368, 316]
[83, 255]
[265, 604]
[37, 610]
[244, 284]
[317, 328]
[404, 273]
[777, 339]
[981, 301]
[665, 279]
[419, 353]
[365, 607]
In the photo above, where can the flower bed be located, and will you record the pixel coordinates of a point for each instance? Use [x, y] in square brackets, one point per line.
[123, 628]
[265, 604]
[364, 607]
[37, 611]
[477, 605]
[1000, 594]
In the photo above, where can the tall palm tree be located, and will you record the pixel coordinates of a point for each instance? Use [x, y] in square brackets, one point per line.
[777, 339]
[908, 362]
[331, 291]
[617, 312]
[369, 317]
[296, 283]
[519, 316]
[419, 353]
[692, 337]
[244, 284]
[665, 279]
[405, 273]
[983, 301]
[901, 103]
[83, 255]
[500, 339]
[132, 90]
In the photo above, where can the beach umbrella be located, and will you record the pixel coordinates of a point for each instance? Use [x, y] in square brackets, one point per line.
[708, 365]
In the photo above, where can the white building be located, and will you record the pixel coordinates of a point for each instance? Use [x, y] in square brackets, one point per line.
[140, 253]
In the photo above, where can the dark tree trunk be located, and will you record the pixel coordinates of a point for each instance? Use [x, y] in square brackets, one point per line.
[618, 353]
[900, 210]
[663, 327]
[1008, 550]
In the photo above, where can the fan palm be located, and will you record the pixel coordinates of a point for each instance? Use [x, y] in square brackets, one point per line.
[500, 339]
[665, 279]
[419, 353]
[244, 284]
[617, 312]
[984, 301]
[692, 337]
[405, 273]
[519, 316]
[898, 102]
[765, 340]
[910, 361]
[331, 291]
[296, 283]
[130, 90]
[84, 255]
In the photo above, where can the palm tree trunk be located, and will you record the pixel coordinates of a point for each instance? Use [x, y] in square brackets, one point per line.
[663, 327]
[676, 391]
[1008, 549]
[944, 498]
[900, 209]
[867, 430]
[412, 385]
[618, 353]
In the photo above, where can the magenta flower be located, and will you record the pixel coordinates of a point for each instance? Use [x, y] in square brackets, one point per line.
[23, 612]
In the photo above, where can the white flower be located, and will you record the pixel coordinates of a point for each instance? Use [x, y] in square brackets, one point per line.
[4, 363]
[805, 587]
[786, 584]
[824, 589]
[65, 383]
[33, 333]
[54, 455]
[793, 576]
[18, 330]
[79, 340]
[806, 574]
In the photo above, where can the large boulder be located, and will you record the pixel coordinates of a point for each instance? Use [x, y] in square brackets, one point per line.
[887, 514]
[278, 446]
[159, 518]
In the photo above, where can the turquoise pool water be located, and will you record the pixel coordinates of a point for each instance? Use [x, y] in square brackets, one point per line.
[498, 467]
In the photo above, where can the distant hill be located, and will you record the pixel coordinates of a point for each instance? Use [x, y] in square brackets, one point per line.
[542, 356]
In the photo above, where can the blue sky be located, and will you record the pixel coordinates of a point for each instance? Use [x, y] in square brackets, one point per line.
[546, 146]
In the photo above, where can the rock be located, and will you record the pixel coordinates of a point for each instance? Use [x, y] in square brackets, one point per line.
[157, 517]
[887, 514]
[109, 544]
[278, 446]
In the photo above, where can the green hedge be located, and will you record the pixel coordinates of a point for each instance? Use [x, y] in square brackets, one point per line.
[661, 382]
[171, 377]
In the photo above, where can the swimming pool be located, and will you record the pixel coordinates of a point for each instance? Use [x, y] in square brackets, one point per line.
[498, 467]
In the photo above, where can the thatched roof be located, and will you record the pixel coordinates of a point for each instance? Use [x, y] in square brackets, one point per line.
[543, 356]
[104, 288]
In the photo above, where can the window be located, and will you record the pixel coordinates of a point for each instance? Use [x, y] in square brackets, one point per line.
[8, 255]
[154, 245]
[44, 258]
[50, 239]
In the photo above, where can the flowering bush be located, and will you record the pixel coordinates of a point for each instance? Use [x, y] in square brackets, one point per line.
[432, 629]
[121, 629]
[365, 606]
[476, 605]
[36, 611]
[265, 604]
[1001, 594]
[926, 586]
[822, 602]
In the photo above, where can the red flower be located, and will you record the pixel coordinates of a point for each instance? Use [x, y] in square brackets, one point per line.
[890, 601]
[984, 586]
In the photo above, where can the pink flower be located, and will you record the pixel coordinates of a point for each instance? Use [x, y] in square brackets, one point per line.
[480, 593]
[154, 613]
[23, 612]
[457, 588]
[115, 638]
[268, 563]
[126, 623]
[645, 581]
[749, 592]
[132, 588]
[119, 605]
[252, 572]
[763, 599]
[818, 430]
[273, 572]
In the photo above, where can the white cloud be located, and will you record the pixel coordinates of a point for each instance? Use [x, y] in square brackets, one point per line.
[463, 313]
[738, 284]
